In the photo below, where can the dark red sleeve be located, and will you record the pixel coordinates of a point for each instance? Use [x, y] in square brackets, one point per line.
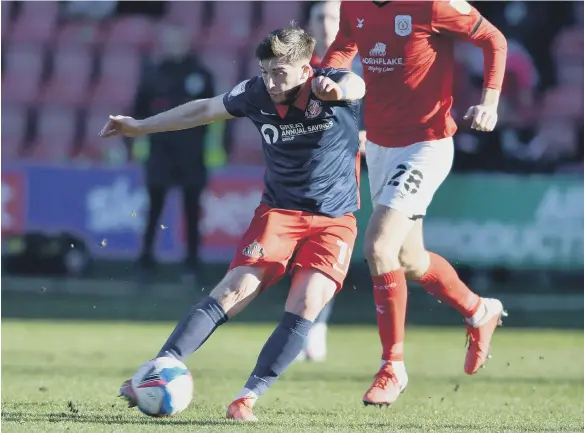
[459, 19]
[342, 51]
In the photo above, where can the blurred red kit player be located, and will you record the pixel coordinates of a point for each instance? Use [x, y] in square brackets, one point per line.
[407, 53]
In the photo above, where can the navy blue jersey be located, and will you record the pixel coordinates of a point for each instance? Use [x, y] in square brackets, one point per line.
[311, 147]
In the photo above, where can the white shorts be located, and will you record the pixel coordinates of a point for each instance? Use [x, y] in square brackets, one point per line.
[406, 178]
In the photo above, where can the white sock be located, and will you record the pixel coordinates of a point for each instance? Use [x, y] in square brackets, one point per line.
[400, 371]
[479, 315]
[247, 393]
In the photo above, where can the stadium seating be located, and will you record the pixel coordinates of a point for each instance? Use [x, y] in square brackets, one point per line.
[85, 34]
[130, 32]
[6, 15]
[64, 68]
[23, 68]
[227, 61]
[36, 22]
[14, 120]
[61, 89]
[277, 14]
[56, 131]
[116, 86]
[231, 24]
[190, 14]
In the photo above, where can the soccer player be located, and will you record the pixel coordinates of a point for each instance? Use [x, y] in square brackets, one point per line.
[304, 223]
[406, 49]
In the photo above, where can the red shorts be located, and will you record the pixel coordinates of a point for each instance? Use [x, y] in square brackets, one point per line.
[280, 240]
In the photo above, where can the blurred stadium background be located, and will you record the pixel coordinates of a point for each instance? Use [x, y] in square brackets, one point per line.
[511, 217]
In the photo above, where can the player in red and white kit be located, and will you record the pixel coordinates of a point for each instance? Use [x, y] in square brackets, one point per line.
[407, 52]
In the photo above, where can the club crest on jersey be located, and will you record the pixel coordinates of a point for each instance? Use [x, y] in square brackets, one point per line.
[360, 22]
[403, 25]
[314, 109]
[254, 250]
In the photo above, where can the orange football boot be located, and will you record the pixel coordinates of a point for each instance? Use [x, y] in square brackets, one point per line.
[241, 410]
[479, 336]
[385, 388]
[127, 392]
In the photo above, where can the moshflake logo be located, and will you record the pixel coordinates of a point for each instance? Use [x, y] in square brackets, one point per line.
[403, 25]
[378, 60]
[270, 133]
[237, 90]
[314, 109]
[109, 207]
[360, 22]
[379, 50]
[254, 250]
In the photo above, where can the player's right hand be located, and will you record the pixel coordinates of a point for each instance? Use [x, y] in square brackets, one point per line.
[326, 89]
[121, 125]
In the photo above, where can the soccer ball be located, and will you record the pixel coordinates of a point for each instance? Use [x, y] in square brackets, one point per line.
[163, 387]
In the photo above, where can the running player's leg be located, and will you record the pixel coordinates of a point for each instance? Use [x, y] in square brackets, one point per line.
[315, 349]
[261, 258]
[403, 182]
[440, 279]
[319, 269]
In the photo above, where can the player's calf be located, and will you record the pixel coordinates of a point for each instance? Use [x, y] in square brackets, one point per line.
[310, 292]
[231, 295]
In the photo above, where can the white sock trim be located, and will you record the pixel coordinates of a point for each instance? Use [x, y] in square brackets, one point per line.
[246, 393]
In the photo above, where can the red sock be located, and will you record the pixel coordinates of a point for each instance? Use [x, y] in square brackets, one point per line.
[391, 296]
[441, 281]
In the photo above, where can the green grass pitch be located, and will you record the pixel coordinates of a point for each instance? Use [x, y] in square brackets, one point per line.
[63, 377]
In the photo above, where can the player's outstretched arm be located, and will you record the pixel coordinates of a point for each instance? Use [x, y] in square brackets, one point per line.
[347, 87]
[189, 115]
[459, 19]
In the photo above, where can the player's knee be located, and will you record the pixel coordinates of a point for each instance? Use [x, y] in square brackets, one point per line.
[311, 290]
[238, 285]
[381, 256]
[414, 261]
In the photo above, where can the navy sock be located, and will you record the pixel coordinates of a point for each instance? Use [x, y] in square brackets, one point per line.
[279, 352]
[194, 329]
[325, 313]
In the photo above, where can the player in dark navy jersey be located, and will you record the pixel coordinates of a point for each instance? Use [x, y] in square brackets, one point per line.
[307, 121]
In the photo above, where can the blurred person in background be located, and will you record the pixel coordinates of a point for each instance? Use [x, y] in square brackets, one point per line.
[176, 159]
[323, 24]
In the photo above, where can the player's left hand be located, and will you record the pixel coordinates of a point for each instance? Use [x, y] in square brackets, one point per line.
[484, 117]
[326, 89]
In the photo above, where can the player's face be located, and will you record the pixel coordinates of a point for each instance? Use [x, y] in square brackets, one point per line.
[324, 22]
[283, 79]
